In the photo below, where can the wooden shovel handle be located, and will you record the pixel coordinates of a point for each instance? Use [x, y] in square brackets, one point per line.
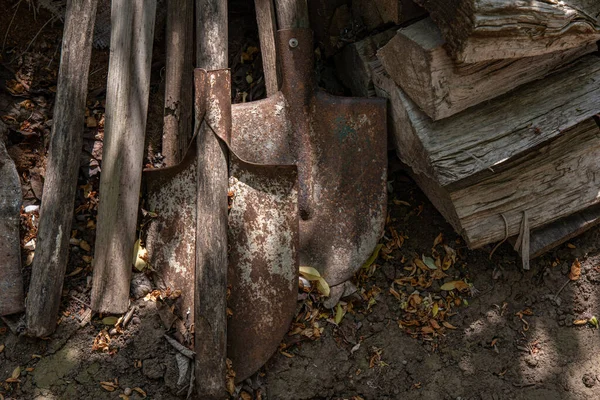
[292, 14]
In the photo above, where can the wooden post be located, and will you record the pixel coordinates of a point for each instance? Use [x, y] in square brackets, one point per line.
[211, 228]
[132, 34]
[267, 26]
[292, 14]
[11, 282]
[177, 131]
[56, 213]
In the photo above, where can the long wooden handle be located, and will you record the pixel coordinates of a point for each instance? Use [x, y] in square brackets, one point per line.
[292, 14]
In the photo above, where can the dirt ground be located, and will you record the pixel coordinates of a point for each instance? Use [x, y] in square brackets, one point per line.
[430, 318]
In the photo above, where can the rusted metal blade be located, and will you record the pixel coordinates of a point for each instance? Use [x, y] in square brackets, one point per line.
[171, 236]
[339, 145]
[11, 281]
[263, 261]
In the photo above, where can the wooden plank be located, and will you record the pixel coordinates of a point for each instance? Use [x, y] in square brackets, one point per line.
[132, 34]
[462, 148]
[558, 232]
[56, 214]
[177, 131]
[352, 63]
[267, 26]
[210, 294]
[11, 281]
[498, 29]
[415, 58]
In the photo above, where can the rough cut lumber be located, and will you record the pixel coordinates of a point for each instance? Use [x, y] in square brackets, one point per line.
[482, 30]
[124, 130]
[352, 63]
[56, 214]
[375, 13]
[466, 163]
[177, 131]
[210, 294]
[558, 232]
[415, 58]
[267, 26]
[11, 281]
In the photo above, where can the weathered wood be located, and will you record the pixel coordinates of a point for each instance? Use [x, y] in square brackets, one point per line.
[376, 13]
[177, 131]
[210, 295]
[352, 63]
[417, 61]
[498, 29]
[480, 138]
[11, 281]
[558, 232]
[132, 33]
[267, 26]
[56, 213]
[292, 14]
[543, 162]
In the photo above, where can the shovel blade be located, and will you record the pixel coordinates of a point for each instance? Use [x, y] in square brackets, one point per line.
[263, 261]
[171, 236]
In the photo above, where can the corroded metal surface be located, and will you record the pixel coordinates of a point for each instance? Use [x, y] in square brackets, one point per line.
[339, 146]
[263, 261]
[11, 281]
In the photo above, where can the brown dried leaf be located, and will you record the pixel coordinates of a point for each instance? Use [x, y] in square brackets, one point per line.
[1, 348]
[580, 322]
[448, 325]
[438, 239]
[575, 273]
[140, 391]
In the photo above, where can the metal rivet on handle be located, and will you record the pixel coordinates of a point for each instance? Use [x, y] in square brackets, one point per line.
[293, 43]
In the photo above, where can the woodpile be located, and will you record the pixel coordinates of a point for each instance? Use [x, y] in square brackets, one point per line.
[494, 107]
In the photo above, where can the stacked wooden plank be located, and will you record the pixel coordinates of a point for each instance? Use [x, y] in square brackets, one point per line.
[493, 106]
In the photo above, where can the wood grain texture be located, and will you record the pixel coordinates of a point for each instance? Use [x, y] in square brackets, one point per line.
[126, 111]
[267, 26]
[415, 58]
[538, 156]
[498, 29]
[56, 214]
[210, 295]
[292, 14]
[550, 182]
[352, 63]
[11, 281]
[482, 137]
[177, 131]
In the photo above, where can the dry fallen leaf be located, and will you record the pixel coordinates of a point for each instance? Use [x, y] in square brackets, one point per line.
[438, 239]
[580, 322]
[571, 246]
[458, 285]
[1, 348]
[140, 391]
[85, 245]
[575, 273]
[448, 325]
[75, 272]
[16, 373]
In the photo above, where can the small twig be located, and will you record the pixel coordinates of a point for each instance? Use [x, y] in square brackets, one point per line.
[505, 235]
[10, 24]
[560, 290]
[81, 301]
[478, 160]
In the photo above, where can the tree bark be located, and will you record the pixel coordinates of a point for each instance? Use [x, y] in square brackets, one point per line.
[177, 131]
[56, 213]
[211, 228]
[292, 14]
[265, 17]
[132, 34]
[11, 281]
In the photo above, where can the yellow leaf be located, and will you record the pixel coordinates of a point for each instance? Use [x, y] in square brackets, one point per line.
[373, 257]
[140, 391]
[16, 373]
[580, 322]
[323, 287]
[339, 313]
[310, 273]
[421, 264]
[448, 325]
[76, 271]
[1, 348]
[571, 246]
[458, 285]
[109, 320]
[438, 239]
[575, 273]
[435, 310]
[139, 253]
[448, 286]
[107, 387]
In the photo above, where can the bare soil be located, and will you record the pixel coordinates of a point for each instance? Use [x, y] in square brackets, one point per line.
[503, 333]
